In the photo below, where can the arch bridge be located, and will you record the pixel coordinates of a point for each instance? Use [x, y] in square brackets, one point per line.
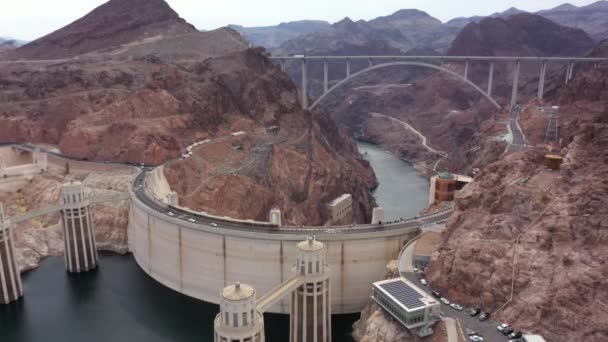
[436, 63]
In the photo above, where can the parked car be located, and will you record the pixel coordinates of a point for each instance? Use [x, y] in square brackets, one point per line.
[170, 214]
[436, 294]
[192, 220]
[474, 312]
[484, 316]
[501, 327]
[507, 331]
[423, 281]
[515, 335]
[213, 224]
[475, 338]
[456, 307]
[445, 301]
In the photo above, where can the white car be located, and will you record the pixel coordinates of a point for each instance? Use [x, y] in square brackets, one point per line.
[445, 301]
[192, 220]
[475, 338]
[171, 214]
[456, 307]
[502, 326]
[213, 224]
[423, 281]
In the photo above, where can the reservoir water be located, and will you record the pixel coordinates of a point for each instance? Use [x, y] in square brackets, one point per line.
[119, 302]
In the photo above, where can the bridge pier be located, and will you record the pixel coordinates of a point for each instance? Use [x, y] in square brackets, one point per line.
[304, 85]
[569, 72]
[515, 83]
[490, 79]
[11, 288]
[347, 68]
[541, 80]
[325, 77]
[78, 230]
[370, 62]
[466, 70]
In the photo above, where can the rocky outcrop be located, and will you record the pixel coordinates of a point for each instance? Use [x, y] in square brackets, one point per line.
[299, 171]
[529, 243]
[147, 100]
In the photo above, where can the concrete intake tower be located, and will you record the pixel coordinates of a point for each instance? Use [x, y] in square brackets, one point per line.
[310, 317]
[78, 230]
[10, 278]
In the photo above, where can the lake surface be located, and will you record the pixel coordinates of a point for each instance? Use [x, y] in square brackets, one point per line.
[119, 302]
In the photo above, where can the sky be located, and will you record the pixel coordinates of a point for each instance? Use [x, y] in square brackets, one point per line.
[31, 19]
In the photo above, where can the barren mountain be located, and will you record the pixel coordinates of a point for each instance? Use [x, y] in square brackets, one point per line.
[520, 35]
[530, 243]
[273, 36]
[400, 31]
[146, 100]
[592, 18]
[111, 24]
[527, 244]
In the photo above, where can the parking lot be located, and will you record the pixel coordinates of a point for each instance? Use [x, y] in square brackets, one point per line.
[487, 329]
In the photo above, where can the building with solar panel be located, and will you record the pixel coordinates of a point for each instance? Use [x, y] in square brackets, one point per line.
[408, 304]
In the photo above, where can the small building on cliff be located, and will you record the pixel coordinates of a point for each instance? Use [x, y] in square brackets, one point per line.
[408, 304]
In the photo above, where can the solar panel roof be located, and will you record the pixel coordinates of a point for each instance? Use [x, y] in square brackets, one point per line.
[404, 294]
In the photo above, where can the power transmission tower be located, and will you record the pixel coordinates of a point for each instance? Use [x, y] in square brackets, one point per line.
[552, 131]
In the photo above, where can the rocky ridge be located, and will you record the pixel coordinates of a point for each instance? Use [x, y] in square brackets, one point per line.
[146, 100]
[529, 243]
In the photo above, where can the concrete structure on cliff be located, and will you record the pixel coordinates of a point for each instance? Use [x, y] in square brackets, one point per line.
[78, 230]
[443, 187]
[411, 306]
[11, 288]
[341, 210]
[310, 308]
[12, 163]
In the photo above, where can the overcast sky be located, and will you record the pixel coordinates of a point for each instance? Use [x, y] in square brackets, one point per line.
[30, 19]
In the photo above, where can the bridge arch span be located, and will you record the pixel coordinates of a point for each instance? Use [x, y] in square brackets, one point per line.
[405, 63]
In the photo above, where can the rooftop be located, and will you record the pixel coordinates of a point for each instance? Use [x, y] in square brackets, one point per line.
[238, 292]
[404, 292]
[310, 245]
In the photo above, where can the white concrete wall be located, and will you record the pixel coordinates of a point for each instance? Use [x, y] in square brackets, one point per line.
[199, 261]
[157, 184]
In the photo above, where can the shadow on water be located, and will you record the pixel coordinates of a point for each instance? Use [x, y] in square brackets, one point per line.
[118, 302]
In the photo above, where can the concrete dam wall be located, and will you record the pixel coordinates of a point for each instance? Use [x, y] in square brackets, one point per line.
[199, 260]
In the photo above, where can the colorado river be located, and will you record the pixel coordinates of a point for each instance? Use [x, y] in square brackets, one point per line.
[402, 191]
[119, 302]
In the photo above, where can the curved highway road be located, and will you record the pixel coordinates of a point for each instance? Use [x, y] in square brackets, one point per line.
[139, 191]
